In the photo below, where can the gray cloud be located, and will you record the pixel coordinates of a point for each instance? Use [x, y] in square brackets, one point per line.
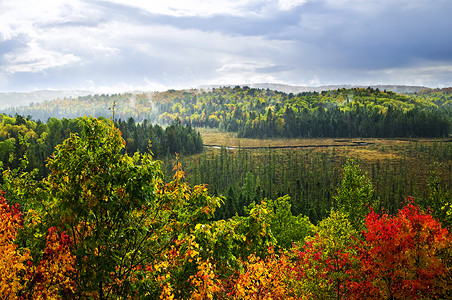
[124, 44]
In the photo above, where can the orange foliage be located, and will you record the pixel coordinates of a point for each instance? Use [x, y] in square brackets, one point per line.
[268, 278]
[205, 281]
[12, 268]
[53, 278]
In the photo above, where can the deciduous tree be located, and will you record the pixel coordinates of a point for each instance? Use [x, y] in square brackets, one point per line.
[406, 256]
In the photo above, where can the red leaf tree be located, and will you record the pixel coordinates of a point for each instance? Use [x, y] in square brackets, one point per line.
[403, 257]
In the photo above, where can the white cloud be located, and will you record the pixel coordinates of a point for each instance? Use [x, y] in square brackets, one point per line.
[168, 43]
[35, 59]
[238, 70]
[145, 85]
[290, 4]
[376, 7]
[35, 26]
[426, 75]
[26, 16]
[206, 8]
[232, 65]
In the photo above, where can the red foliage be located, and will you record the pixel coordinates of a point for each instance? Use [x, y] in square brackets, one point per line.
[53, 278]
[400, 257]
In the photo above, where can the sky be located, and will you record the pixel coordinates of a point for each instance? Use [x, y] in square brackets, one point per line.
[114, 46]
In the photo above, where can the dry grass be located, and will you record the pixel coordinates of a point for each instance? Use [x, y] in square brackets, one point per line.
[367, 153]
[228, 139]
[373, 149]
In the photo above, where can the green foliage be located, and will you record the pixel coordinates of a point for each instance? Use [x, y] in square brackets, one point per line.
[439, 198]
[355, 195]
[311, 177]
[37, 140]
[248, 189]
[102, 197]
[259, 113]
[181, 212]
[309, 180]
[115, 207]
[326, 260]
[175, 138]
[257, 229]
[226, 241]
[117, 230]
[287, 228]
[124, 106]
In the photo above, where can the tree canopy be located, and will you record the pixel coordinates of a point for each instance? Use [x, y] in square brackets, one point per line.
[104, 224]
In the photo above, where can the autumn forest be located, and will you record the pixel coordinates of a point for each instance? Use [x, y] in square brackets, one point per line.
[228, 193]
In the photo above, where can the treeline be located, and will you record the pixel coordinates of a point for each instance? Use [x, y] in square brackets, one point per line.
[175, 138]
[122, 106]
[259, 113]
[360, 121]
[342, 113]
[36, 140]
[106, 225]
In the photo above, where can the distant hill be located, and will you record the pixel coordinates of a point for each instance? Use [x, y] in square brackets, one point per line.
[15, 99]
[399, 89]
[24, 99]
[267, 112]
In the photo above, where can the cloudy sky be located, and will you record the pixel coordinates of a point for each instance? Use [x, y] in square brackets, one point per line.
[121, 45]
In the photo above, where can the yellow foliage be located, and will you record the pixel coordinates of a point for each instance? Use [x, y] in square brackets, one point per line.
[205, 281]
[269, 278]
[12, 268]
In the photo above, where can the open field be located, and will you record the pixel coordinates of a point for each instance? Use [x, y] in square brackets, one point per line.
[229, 139]
[369, 149]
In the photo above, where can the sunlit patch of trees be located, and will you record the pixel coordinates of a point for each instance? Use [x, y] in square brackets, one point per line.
[259, 113]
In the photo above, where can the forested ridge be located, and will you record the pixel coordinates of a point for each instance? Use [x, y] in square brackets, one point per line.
[260, 113]
[105, 223]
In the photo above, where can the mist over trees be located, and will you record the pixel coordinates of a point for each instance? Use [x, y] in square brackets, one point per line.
[260, 113]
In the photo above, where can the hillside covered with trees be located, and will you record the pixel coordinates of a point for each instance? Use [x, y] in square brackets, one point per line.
[260, 113]
[104, 224]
